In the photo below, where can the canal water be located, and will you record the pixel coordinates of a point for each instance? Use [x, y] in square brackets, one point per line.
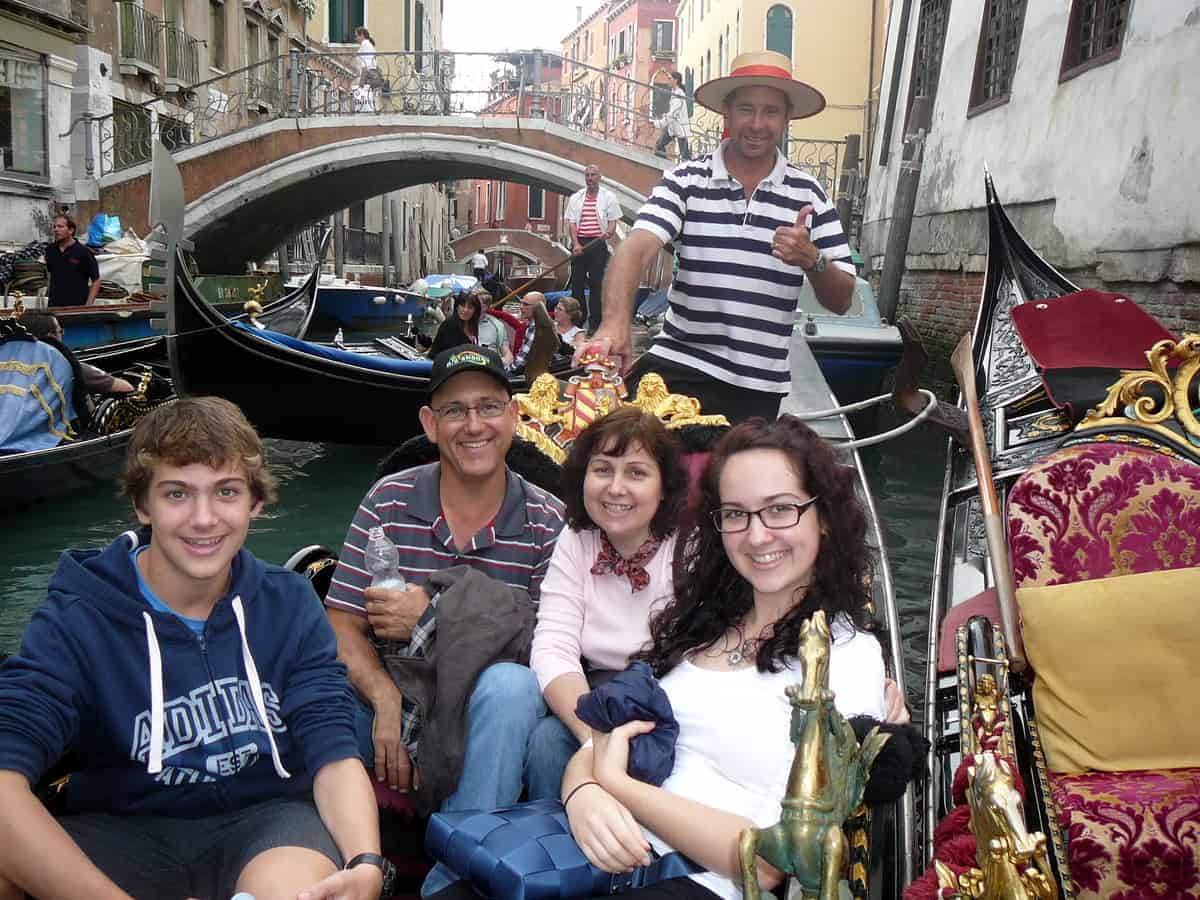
[321, 484]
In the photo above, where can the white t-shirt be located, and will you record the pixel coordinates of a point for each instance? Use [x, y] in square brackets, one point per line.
[735, 751]
[479, 261]
[366, 55]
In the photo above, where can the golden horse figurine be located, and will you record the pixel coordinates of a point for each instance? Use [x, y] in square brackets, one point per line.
[827, 780]
[1011, 859]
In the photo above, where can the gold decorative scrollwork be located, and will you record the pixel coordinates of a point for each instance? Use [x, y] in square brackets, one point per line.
[1130, 402]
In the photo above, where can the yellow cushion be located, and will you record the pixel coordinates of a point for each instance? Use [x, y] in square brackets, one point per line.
[1118, 670]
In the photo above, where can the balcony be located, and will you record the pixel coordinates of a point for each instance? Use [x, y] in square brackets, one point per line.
[141, 49]
[183, 59]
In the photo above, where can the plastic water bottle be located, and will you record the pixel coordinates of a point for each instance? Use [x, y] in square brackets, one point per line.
[383, 561]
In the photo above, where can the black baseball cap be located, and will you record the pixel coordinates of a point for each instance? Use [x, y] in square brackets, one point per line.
[467, 358]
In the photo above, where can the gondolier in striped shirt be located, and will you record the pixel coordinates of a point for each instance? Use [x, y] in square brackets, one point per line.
[591, 213]
[749, 227]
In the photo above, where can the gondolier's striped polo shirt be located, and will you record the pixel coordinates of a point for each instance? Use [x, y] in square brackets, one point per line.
[732, 305]
[515, 549]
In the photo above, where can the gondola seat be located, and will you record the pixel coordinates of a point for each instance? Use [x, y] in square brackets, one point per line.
[1088, 524]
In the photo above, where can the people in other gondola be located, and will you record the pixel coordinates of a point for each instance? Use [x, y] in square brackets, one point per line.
[466, 514]
[46, 327]
[540, 342]
[591, 215]
[750, 228]
[40, 394]
[624, 485]
[492, 330]
[214, 751]
[74, 272]
[461, 327]
[568, 322]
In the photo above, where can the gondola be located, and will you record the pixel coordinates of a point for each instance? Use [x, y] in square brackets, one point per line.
[1077, 483]
[291, 388]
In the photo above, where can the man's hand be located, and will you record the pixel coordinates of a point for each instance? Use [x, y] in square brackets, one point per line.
[611, 341]
[360, 883]
[793, 245]
[577, 248]
[394, 614]
[393, 766]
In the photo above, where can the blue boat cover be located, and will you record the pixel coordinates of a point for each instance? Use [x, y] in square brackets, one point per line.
[35, 395]
[416, 367]
[457, 283]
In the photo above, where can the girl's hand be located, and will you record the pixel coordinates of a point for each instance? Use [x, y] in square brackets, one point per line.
[606, 831]
[610, 756]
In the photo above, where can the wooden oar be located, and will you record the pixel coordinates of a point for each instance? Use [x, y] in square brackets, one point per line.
[963, 364]
[586, 247]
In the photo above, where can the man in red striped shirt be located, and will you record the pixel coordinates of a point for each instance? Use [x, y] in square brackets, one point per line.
[592, 215]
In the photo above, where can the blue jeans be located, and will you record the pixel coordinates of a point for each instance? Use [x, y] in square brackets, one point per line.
[551, 747]
[506, 706]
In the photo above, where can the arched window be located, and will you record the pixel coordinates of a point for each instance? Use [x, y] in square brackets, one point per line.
[779, 30]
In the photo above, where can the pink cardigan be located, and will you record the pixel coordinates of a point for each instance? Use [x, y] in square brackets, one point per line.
[594, 617]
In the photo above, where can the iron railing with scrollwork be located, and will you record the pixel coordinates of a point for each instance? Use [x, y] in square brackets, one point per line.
[139, 35]
[526, 85]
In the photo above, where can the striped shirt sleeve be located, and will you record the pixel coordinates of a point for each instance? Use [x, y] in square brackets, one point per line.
[663, 214]
[351, 577]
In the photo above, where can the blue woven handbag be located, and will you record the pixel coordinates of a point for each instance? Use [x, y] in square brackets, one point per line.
[526, 852]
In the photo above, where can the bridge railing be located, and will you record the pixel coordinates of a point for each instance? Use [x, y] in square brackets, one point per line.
[523, 85]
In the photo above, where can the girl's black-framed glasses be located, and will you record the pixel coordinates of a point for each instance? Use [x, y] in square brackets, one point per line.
[776, 516]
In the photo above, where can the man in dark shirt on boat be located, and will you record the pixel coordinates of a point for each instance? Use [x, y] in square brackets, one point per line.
[467, 508]
[71, 266]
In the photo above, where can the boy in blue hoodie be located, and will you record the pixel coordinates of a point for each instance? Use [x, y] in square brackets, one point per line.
[200, 691]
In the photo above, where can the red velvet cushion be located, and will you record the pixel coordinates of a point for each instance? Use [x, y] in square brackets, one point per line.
[1132, 835]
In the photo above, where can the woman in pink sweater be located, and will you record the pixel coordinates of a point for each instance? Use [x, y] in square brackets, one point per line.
[624, 486]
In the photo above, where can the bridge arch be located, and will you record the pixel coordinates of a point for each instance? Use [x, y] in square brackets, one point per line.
[248, 215]
[528, 245]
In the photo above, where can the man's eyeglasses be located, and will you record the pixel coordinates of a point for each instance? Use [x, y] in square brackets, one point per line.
[729, 520]
[486, 409]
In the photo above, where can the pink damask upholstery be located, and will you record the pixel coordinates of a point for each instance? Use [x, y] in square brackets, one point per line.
[1132, 835]
[1095, 511]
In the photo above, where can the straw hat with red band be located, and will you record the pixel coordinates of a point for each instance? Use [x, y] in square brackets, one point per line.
[762, 68]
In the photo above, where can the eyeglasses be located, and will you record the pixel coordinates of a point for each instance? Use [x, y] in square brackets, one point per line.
[777, 516]
[486, 409]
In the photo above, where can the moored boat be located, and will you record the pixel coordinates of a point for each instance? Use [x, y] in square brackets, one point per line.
[1064, 684]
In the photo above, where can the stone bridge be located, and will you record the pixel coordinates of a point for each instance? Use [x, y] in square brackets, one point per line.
[247, 191]
[533, 247]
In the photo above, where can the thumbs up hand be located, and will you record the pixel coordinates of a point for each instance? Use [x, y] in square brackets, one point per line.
[792, 243]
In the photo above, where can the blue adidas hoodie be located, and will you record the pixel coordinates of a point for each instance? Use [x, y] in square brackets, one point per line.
[165, 721]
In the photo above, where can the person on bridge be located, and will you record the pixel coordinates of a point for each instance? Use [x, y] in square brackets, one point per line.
[592, 215]
[71, 266]
[749, 228]
[479, 264]
[675, 125]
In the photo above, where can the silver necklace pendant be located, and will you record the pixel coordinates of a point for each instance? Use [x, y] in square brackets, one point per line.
[735, 656]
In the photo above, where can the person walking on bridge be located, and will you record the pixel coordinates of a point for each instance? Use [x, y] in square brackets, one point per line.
[749, 228]
[592, 213]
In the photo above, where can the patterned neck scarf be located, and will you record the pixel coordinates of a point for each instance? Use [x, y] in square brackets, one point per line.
[609, 561]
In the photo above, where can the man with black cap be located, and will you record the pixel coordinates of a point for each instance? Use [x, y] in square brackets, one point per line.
[466, 508]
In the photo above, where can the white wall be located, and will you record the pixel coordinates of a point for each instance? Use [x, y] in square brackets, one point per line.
[1116, 148]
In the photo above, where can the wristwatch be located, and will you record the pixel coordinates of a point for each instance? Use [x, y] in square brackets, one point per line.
[383, 864]
[819, 266]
